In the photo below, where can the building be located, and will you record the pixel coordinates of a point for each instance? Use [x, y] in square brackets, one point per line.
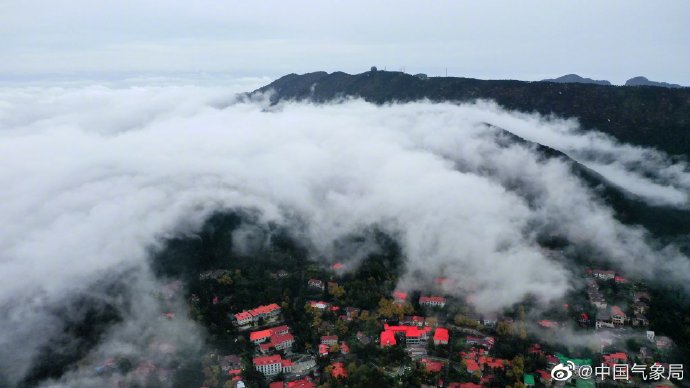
[487, 342]
[230, 364]
[324, 350]
[603, 275]
[604, 319]
[272, 365]
[320, 305]
[329, 340]
[414, 320]
[262, 336]
[618, 317]
[640, 320]
[316, 283]
[614, 358]
[399, 296]
[433, 366]
[278, 342]
[303, 363]
[338, 370]
[416, 336]
[387, 338]
[441, 336]
[432, 301]
[262, 312]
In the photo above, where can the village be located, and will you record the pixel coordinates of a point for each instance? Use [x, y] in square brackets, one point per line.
[314, 326]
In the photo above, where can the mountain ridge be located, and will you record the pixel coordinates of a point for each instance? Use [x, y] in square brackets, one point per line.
[644, 115]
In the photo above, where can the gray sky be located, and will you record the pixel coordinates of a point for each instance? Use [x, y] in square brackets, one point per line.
[529, 40]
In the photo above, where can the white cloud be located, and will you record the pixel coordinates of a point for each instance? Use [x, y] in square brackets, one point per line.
[95, 177]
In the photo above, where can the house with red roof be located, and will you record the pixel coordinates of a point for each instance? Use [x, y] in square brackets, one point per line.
[603, 275]
[338, 370]
[547, 324]
[277, 342]
[320, 305]
[618, 317]
[487, 342]
[329, 339]
[400, 296]
[432, 301]
[337, 266]
[441, 336]
[612, 359]
[433, 366]
[472, 366]
[268, 311]
[304, 383]
[344, 348]
[324, 350]
[272, 365]
[387, 338]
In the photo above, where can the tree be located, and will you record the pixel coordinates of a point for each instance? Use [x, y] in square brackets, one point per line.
[389, 309]
[518, 368]
[226, 280]
[503, 328]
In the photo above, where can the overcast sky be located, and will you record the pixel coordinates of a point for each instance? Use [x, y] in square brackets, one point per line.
[528, 40]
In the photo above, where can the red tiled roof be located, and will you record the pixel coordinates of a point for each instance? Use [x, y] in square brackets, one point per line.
[548, 324]
[615, 358]
[432, 365]
[280, 338]
[400, 295]
[329, 338]
[323, 349]
[304, 383]
[338, 370]
[414, 331]
[427, 299]
[276, 384]
[319, 305]
[243, 315]
[615, 310]
[257, 311]
[441, 334]
[472, 365]
[388, 338]
[545, 376]
[260, 334]
[267, 360]
[337, 266]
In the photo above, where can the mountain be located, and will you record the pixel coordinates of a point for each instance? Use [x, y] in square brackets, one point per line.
[653, 117]
[576, 79]
[643, 81]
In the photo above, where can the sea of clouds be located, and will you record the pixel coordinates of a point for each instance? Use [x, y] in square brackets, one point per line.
[95, 178]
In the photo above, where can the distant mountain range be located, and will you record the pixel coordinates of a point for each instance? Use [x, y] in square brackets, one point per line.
[635, 81]
[646, 116]
[642, 81]
[576, 79]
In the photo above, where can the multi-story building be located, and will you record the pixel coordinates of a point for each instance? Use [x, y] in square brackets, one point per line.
[272, 365]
